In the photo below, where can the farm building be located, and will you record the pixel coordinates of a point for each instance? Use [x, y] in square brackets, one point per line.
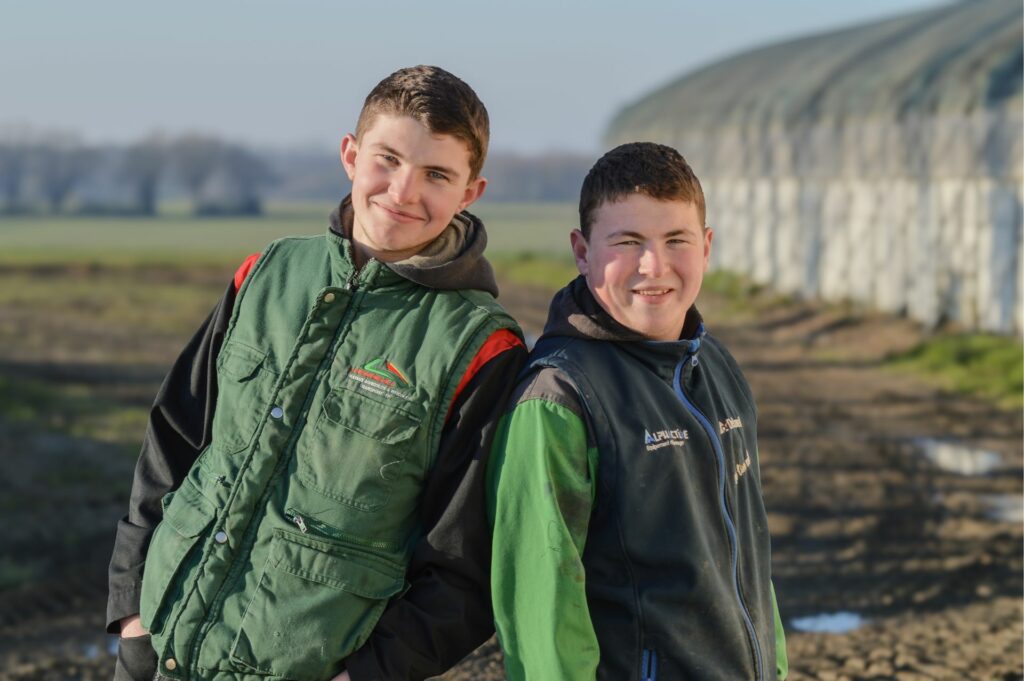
[880, 164]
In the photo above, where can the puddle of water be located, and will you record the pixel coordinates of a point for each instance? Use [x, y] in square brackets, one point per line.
[954, 457]
[1004, 508]
[829, 623]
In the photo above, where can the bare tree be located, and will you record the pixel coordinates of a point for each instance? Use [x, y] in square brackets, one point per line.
[142, 166]
[61, 162]
[196, 157]
[14, 163]
[247, 174]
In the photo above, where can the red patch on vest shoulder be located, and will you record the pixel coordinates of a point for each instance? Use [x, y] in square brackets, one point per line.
[242, 272]
[498, 342]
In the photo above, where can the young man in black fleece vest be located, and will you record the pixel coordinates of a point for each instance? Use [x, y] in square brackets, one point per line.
[630, 536]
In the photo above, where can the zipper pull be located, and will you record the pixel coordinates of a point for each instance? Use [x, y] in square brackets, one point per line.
[353, 281]
[300, 523]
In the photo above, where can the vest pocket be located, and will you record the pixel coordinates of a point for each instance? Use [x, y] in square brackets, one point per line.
[187, 513]
[357, 450]
[316, 603]
[241, 375]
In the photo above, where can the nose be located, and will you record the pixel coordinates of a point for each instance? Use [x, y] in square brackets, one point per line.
[652, 262]
[404, 187]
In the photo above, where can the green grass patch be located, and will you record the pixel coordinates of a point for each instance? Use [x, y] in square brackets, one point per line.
[176, 237]
[534, 269]
[528, 227]
[978, 364]
[161, 239]
[72, 409]
[737, 295]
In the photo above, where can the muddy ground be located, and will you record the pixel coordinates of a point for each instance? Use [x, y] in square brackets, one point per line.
[865, 524]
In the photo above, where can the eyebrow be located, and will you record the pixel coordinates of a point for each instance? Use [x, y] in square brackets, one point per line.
[450, 172]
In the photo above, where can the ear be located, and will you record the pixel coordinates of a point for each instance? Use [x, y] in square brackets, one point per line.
[474, 190]
[709, 234]
[349, 149]
[580, 248]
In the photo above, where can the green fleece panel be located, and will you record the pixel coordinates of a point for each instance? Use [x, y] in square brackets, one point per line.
[540, 494]
[781, 658]
[541, 484]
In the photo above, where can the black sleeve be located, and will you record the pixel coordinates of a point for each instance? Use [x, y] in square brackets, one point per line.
[178, 429]
[446, 613]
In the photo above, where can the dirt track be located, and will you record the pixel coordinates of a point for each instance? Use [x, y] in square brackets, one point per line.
[862, 520]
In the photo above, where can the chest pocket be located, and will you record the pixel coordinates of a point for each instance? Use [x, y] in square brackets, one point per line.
[359, 450]
[244, 382]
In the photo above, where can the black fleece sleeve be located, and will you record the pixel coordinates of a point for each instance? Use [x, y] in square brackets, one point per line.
[446, 613]
[178, 429]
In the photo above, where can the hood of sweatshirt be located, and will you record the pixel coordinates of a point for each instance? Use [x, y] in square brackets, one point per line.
[454, 261]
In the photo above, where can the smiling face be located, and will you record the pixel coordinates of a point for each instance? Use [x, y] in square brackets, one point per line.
[644, 262]
[407, 184]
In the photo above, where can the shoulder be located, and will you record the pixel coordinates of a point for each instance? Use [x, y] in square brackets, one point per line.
[716, 357]
[275, 249]
[244, 269]
[503, 352]
[482, 302]
[547, 384]
[715, 350]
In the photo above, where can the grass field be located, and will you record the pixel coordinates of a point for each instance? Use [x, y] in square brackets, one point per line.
[528, 244]
[176, 237]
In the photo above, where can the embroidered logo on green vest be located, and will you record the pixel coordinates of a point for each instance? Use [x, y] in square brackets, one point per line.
[386, 370]
[381, 377]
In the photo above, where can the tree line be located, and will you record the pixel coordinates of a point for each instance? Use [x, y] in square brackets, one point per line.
[43, 170]
[58, 172]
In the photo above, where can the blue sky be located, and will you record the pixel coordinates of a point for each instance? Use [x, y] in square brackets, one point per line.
[552, 74]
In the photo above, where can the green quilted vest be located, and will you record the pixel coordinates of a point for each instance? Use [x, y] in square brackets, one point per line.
[284, 543]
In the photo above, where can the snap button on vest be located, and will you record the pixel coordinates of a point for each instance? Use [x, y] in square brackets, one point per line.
[329, 298]
[277, 412]
[220, 537]
[171, 664]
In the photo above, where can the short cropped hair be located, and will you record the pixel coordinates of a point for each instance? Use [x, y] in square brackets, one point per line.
[437, 99]
[653, 170]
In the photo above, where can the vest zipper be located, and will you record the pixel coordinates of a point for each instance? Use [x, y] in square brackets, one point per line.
[649, 665]
[309, 525]
[299, 522]
[729, 524]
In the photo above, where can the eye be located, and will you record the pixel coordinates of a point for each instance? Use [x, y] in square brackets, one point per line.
[388, 159]
[680, 240]
[627, 242]
[434, 175]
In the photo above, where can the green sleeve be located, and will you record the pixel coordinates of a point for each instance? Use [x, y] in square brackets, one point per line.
[781, 658]
[540, 494]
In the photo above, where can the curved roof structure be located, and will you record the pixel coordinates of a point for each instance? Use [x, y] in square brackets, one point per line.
[954, 59]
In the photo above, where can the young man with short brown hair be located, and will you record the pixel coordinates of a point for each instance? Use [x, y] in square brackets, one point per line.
[308, 502]
[630, 536]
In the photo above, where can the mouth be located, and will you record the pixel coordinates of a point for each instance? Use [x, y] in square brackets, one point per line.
[652, 293]
[399, 215]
